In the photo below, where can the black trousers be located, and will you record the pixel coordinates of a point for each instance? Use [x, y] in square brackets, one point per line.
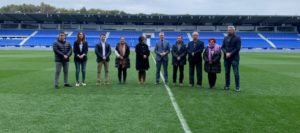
[122, 72]
[198, 66]
[212, 77]
[181, 70]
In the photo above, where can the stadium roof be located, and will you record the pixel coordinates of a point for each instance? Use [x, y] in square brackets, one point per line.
[151, 19]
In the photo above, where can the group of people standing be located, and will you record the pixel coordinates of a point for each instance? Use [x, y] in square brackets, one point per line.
[194, 52]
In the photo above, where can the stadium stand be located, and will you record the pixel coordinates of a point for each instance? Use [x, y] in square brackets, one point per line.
[131, 37]
[253, 40]
[170, 37]
[45, 38]
[9, 42]
[284, 40]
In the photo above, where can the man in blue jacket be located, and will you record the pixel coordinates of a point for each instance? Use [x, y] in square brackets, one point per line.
[162, 50]
[195, 49]
[231, 48]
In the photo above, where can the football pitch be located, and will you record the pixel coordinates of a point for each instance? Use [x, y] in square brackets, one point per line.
[269, 100]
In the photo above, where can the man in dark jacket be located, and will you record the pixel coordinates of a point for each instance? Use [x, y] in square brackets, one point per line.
[231, 48]
[62, 50]
[178, 59]
[103, 51]
[195, 49]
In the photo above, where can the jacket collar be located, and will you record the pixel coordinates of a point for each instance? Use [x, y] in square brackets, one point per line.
[63, 42]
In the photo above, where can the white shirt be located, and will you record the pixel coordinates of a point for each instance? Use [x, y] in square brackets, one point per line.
[80, 46]
[117, 53]
[103, 48]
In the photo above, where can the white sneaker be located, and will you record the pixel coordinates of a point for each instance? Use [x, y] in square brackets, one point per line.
[83, 84]
[77, 84]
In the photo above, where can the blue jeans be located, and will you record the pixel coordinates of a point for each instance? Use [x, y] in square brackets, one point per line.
[79, 64]
[235, 66]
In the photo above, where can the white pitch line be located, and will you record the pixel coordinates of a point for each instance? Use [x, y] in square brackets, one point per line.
[180, 116]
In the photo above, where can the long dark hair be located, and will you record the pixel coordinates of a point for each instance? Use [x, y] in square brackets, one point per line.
[141, 39]
[83, 38]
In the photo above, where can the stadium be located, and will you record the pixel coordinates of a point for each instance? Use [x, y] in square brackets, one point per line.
[269, 70]
[257, 32]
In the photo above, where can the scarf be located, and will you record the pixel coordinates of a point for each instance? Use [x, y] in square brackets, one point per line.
[122, 50]
[212, 50]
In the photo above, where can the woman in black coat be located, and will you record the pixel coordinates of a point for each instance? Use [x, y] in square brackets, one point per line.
[80, 50]
[212, 64]
[122, 52]
[142, 59]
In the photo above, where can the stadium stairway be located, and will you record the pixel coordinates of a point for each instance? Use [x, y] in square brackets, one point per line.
[26, 39]
[189, 36]
[267, 40]
[107, 34]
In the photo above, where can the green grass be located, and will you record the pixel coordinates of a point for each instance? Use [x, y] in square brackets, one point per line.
[269, 101]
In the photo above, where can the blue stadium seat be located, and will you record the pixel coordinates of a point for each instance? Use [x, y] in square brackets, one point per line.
[248, 35]
[172, 35]
[281, 35]
[126, 34]
[10, 42]
[206, 35]
[89, 33]
[40, 41]
[284, 40]
[286, 43]
[16, 32]
[255, 43]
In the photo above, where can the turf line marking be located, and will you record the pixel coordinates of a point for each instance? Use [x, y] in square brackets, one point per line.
[180, 116]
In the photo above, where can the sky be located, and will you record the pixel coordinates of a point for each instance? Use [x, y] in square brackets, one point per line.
[178, 7]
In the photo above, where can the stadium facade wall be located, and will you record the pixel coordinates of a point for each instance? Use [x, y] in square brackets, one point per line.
[147, 28]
